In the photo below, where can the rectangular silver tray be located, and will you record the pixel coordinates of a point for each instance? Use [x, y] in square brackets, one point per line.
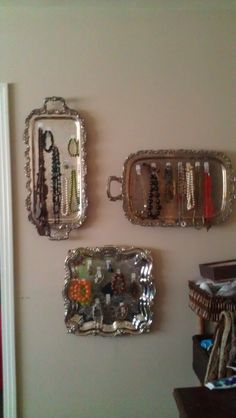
[108, 291]
[56, 168]
[136, 189]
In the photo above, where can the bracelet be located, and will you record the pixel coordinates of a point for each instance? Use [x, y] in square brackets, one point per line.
[73, 147]
[47, 134]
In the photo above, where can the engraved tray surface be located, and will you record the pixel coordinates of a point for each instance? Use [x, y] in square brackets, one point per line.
[63, 124]
[136, 185]
[108, 291]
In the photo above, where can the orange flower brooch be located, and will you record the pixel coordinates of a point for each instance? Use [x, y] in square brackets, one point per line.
[80, 290]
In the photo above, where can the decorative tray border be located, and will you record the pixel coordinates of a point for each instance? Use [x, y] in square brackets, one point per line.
[108, 291]
[55, 230]
[182, 155]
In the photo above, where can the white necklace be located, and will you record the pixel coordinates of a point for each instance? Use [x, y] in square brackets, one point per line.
[190, 186]
[64, 197]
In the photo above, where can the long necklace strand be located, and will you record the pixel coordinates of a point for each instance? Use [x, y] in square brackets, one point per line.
[169, 184]
[74, 198]
[190, 186]
[181, 191]
[64, 197]
[41, 193]
[154, 204]
[56, 183]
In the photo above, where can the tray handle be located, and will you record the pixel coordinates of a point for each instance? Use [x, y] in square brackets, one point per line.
[57, 234]
[234, 187]
[54, 99]
[109, 195]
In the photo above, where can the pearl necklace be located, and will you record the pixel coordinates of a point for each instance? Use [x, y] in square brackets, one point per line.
[64, 197]
[190, 187]
[181, 192]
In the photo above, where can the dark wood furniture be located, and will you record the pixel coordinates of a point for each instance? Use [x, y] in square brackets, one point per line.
[200, 402]
[200, 357]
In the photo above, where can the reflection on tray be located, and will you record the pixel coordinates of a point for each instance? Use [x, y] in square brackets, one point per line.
[108, 291]
[176, 188]
[55, 169]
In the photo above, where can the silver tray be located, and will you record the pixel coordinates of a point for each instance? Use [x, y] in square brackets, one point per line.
[56, 168]
[108, 291]
[183, 201]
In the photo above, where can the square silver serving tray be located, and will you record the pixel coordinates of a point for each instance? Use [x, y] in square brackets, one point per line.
[108, 291]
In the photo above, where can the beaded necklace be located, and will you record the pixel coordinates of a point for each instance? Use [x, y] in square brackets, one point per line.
[41, 192]
[64, 196]
[169, 184]
[198, 213]
[208, 202]
[56, 183]
[190, 187]
[181, 192]
[141, 185]
[154, 205]
[74, 197]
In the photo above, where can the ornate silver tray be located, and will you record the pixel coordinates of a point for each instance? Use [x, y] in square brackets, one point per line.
[56, 168]
[108, 291]
[176, 188]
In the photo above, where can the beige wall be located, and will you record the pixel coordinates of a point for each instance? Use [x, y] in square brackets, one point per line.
[144, 77]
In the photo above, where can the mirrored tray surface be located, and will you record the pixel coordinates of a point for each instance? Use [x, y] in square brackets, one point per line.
[56, 168]
[108, 291]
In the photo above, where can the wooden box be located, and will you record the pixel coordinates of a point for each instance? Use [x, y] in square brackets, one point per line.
[220, 270]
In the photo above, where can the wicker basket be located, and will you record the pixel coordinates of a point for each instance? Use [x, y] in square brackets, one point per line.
[208, 306]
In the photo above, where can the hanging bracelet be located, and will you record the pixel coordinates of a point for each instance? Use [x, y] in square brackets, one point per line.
[47, 134]
[73, 147]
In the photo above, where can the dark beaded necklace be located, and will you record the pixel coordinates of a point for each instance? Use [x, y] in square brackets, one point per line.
[198, 188]
[154, 204]
[169, 186]
[181, 184]
[56, 183]
[41, 193]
